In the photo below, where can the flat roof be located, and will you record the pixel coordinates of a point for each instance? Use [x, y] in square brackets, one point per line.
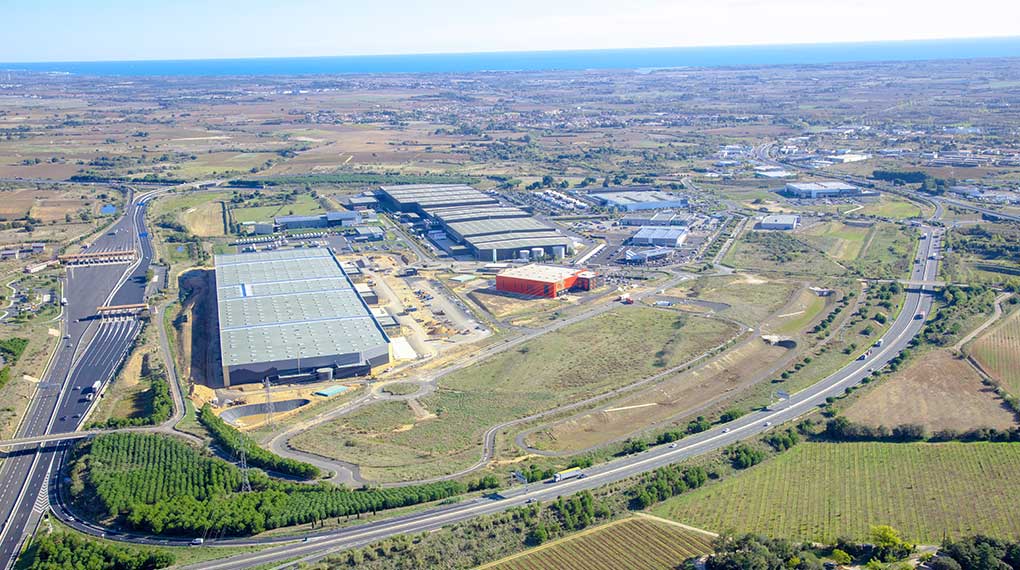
[640, 197]
[781, 219]
[466, 214]
[660, 232]
[807, 186]
[517, 240]
[498, 226]
[543, 273]
[288, 304]
[424, 195]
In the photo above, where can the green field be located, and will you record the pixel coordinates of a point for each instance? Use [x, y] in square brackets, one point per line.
[837, 240]
[892, 207]
[635, 544]
[751, 298]
[819, 491]
[998, 351]
[580, 360]
[797, 323]
[780, 252]
[888, 253]
[304, 204]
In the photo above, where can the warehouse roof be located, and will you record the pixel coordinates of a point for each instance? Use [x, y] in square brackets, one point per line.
[288, 304]
[625, 198]
[659, 232]
[808, 186]
[466, 214]
[436, 195]
[786, 219]
[498, 226]
[543, 273]
[518, 240]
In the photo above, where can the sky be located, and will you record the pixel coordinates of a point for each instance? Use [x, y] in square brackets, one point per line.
[96, 30]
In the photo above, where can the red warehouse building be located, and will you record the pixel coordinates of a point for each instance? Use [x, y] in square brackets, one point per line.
[544, 280]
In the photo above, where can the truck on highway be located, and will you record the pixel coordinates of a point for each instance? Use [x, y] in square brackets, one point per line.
[91, 391]
[566, 474]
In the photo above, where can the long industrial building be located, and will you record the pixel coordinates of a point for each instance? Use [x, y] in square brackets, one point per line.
[290, 314]
[489, 231]
[815, 190]
[659, 236]
[637, 198]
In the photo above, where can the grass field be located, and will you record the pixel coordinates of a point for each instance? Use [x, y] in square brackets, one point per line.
[780, 252]
[205, 219]
[799, 313]
[637, 543]
[677, 397]
[888, 253]
[998, 351]
[937, 391]
[751, 298]
[819, 491]
[837, 239]
[583, 359]
[892, 207]
[303, 205]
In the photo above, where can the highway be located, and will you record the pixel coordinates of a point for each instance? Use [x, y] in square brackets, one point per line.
[90, 351]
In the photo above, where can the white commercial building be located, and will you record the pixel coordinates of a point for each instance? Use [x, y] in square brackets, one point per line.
[779, 222]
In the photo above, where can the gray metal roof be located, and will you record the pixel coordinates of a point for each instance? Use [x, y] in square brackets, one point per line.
[659, 232]
[498, 226]
[466, 214]
[520, 241]
[289, 304]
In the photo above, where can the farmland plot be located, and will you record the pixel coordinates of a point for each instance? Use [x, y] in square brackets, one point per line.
[998, 351]
[819, 491]
[634, 543]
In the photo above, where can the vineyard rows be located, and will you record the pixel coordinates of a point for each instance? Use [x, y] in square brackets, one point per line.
[635, 544]
[998, 351]
[819, 491]
[159, 484]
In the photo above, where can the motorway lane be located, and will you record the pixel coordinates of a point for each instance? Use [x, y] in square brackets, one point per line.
[92, 352]
[899, 335]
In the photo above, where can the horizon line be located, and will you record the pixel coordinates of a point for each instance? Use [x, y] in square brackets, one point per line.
[515, 51]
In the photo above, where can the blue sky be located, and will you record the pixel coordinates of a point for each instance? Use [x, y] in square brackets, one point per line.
[80, 30]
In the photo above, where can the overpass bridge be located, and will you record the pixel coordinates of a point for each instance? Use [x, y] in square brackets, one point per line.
[11, 444]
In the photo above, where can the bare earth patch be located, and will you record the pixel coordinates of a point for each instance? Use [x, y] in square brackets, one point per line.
[937, 391]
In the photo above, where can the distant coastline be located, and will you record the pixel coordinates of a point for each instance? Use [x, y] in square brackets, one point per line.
[655, 58]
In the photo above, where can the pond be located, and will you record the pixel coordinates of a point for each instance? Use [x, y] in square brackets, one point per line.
[108, 209]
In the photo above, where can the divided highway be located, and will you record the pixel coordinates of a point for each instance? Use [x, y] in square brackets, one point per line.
[90, 351]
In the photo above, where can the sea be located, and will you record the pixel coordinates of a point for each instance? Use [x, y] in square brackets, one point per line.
[636, 59]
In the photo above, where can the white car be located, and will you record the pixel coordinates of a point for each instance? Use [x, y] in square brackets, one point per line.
[726, 430]
[768, 424]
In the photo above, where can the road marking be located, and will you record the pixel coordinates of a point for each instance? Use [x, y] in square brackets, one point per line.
[631, 407]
